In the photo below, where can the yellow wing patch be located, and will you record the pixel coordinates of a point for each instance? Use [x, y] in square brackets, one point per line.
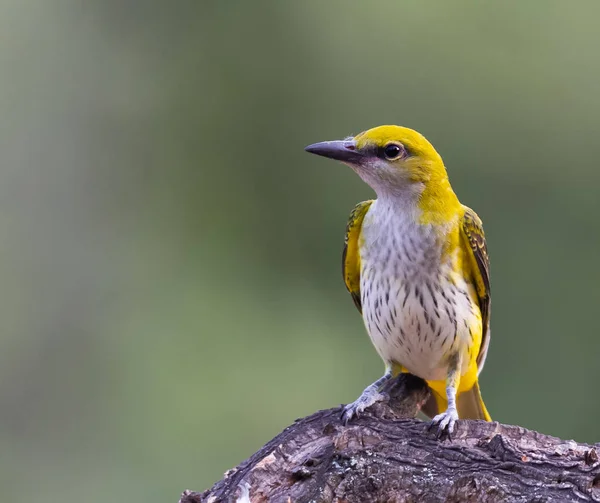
[479, 268]
[351, 255]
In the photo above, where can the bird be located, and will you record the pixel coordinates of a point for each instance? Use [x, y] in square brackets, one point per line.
[415, 262]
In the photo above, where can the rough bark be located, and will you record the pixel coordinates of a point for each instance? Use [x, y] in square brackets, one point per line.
[388, 456]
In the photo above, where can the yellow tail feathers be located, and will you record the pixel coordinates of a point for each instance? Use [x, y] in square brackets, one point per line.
[469, 404]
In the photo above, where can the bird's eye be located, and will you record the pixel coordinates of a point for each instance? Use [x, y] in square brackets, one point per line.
[392, 151]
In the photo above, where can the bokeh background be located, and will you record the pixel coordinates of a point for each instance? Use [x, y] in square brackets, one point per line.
[170, 257]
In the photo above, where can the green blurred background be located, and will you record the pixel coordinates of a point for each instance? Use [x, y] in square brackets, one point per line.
[170, 256]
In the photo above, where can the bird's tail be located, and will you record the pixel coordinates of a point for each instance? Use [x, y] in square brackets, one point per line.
[469, 404]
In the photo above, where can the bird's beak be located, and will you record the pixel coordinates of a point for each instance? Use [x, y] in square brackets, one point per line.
[340, 150]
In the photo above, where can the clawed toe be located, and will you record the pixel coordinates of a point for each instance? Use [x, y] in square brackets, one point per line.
[365, 401]
[349, 411]
[443, 424]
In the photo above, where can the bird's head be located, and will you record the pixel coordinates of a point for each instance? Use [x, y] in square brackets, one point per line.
[391, 159]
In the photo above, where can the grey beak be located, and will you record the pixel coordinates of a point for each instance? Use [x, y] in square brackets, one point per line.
[340, 150]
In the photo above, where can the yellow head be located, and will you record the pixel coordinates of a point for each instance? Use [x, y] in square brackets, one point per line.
[389, 158]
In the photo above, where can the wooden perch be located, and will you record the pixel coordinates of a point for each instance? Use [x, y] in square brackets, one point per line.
[388, 456]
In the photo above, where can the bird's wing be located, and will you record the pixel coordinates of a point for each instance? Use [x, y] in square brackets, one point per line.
[351, 255]
[474, 240]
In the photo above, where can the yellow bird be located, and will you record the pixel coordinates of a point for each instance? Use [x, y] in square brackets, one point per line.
[416, 264]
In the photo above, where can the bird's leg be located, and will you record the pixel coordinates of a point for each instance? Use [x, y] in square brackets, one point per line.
[446, 421]
[368, 397]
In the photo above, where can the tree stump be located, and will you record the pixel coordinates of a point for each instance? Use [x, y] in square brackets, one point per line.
[387, 455]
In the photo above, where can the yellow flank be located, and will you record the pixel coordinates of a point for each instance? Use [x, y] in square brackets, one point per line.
[351, 255]
[465, 266]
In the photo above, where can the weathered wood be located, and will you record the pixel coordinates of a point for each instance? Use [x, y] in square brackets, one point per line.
[388, 456]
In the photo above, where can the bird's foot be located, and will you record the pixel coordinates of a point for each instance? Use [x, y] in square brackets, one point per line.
[444, 423]
[369, 396]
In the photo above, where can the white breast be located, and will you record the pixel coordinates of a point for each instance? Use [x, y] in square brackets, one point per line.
[416, 309]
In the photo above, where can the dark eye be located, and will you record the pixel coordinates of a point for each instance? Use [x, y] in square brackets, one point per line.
[392, 151]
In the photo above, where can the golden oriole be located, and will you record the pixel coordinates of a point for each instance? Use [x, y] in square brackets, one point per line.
[416, 264]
